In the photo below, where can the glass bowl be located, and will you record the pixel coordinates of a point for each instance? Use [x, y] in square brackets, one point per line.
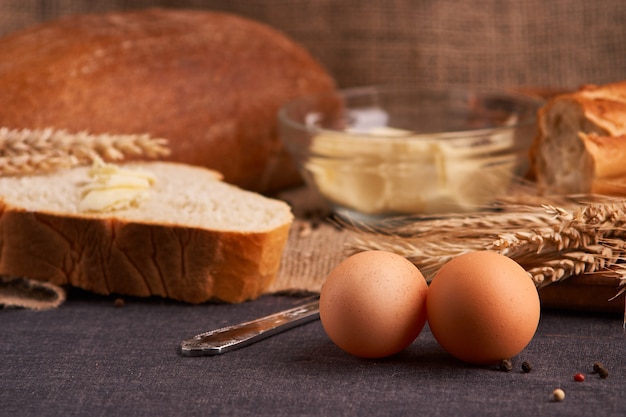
[375, 152]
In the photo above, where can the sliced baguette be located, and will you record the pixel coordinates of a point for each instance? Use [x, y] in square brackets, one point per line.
[195, 238]
[580, 146]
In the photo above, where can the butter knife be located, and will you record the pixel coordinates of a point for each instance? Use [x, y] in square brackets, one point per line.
[226, 339]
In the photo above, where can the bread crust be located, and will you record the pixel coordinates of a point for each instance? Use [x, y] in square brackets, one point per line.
[580, 145]
[209, 82]
[112, 257]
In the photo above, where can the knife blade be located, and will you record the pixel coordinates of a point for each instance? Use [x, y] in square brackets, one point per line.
[226, 339]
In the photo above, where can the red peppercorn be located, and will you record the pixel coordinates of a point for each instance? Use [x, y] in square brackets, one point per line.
[579, 377]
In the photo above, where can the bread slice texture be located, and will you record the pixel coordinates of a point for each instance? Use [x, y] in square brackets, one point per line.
[194, 239]
[580, 145]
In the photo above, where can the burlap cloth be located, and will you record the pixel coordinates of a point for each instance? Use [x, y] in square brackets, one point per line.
[495, 43]
[316, 244]
[478, 43]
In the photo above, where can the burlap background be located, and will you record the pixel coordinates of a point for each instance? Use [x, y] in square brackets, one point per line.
[495, 43]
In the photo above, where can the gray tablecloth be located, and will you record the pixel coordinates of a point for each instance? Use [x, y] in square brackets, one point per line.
[90, 357]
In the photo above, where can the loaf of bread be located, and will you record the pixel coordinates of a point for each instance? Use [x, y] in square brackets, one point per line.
[195, 238]
[211, 83]
[580, 145]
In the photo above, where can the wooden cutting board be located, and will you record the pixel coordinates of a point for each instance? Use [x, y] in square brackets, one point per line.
[595, 293]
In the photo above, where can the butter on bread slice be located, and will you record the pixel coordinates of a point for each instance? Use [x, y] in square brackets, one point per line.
[194, 238]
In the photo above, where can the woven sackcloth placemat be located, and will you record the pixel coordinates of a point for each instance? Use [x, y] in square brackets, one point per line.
[312, 252]
[315, 245]
[21, 292]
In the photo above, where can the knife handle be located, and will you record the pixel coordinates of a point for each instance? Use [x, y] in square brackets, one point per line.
[229, 338]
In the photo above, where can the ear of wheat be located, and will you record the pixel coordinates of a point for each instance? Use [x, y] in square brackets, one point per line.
[551, 243]
[25, 151]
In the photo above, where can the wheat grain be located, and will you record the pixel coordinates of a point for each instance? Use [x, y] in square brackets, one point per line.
[26, 151]
[552, 243]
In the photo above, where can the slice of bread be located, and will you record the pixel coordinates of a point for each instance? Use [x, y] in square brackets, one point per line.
[580, 145]
[194, 239]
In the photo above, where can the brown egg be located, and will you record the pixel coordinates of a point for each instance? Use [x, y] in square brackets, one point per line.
[483, 307]
[373, 304]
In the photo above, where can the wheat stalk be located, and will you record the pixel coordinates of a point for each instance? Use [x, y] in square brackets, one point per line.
[26, 151]
[551, 243]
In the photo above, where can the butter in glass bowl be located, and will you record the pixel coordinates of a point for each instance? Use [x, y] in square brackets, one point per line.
[383, 151]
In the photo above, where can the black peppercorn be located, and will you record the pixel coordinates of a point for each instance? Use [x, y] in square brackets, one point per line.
[526, 367]
[597, 366]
